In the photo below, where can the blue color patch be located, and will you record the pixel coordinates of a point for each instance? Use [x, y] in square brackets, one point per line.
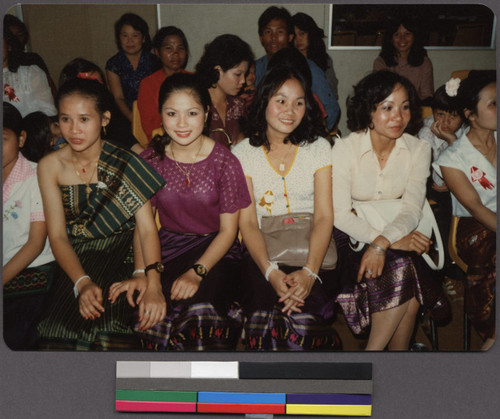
[228, 397]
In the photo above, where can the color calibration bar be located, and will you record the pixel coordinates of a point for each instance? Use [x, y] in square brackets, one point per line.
[245, 387]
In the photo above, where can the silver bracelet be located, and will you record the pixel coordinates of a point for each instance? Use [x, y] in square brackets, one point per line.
[380, 250]
[273, 266]
[311, 273]
[75, 289]
[138, 271]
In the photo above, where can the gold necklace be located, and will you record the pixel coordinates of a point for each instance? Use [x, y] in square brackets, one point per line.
[382, 157]
[187, 172]
[88, 189]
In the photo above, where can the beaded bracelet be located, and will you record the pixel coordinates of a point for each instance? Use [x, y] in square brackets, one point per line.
[75, 289]
[380, 250]
[311, 273]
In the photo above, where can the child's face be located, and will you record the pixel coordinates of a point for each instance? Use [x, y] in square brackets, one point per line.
[183, 117]
[449, 122]
[80, 121]
[251, 76]
[55, 129]
[11, 144]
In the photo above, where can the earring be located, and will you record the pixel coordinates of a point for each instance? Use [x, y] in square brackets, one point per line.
[105, 133]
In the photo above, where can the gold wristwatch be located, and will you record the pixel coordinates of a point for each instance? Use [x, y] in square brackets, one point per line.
[200, 270]
[157, 266]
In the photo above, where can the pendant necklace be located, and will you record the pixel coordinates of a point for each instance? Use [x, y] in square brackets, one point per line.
[282, 163]
[187, 172]
[88, 189]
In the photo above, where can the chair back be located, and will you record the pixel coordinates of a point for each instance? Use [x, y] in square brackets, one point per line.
[426, 111]
[460, 74]
[137, 130]
[452, 244]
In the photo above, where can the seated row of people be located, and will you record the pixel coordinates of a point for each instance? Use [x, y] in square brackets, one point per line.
[193, 285]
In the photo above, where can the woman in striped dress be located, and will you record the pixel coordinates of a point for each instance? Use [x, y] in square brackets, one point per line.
[94, 195]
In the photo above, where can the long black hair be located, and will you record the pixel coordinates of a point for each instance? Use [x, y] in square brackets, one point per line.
[38, 136]
[307, 131]
[179, 82]
[226, 51]
[372, 90]
[417, 51]
[316, 51]
[469, 91]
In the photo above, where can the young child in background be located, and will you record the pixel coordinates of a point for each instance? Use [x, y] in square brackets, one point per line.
[441, 129]
[39, 137]
[27, 258]
[248, 91]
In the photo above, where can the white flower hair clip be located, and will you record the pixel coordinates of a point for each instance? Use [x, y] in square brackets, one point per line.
[452, 86]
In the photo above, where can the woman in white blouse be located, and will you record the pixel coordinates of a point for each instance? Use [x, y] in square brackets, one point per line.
[380, 161]
[469, 168]
[288, 170]
[25, 86]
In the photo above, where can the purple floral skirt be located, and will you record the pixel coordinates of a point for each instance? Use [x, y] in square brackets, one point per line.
[405, 275]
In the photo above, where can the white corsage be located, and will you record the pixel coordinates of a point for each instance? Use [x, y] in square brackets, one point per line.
[101, 185]
[452, 86]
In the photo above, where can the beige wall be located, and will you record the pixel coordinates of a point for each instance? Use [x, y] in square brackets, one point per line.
[60, 33]
[63, 32]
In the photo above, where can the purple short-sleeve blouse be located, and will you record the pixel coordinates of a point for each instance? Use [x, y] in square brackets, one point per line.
[217, 186]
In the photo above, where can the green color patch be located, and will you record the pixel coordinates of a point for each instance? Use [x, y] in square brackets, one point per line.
[157, 396]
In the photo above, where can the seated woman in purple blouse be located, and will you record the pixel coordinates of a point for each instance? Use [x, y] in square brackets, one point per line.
[198, 211]
[133, 61]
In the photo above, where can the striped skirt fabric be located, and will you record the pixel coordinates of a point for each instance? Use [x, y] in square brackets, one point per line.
[211, 319]
[106, 260]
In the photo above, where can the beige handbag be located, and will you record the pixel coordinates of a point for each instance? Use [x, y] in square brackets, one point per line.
[287, 240]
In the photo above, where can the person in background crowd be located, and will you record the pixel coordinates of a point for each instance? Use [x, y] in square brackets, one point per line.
[403, 53]
[172, 48]
[275, 33]
[308, 39]
[25, 86]
[133, 61]
[20, 31]
[222, 70]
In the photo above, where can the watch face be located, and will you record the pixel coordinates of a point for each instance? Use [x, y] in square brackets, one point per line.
[201, 270]
[159, 267]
